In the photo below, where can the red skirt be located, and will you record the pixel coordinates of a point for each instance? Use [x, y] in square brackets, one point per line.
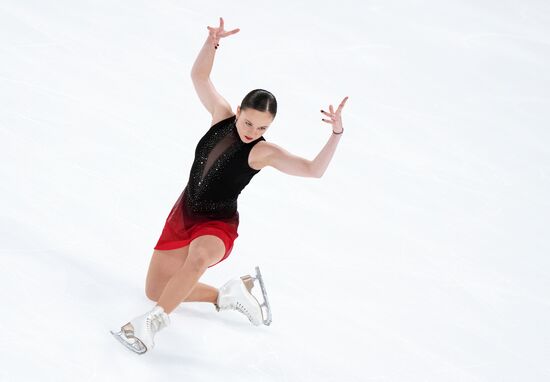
[181, 228]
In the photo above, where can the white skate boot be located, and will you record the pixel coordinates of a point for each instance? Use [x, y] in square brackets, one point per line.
[137, 335]
[236, 294]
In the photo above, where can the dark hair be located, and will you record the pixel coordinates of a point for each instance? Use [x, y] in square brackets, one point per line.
[261, 100]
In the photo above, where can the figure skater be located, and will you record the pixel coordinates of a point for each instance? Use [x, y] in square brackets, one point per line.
[200, 230]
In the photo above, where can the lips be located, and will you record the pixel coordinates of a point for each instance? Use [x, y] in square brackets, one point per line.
[247, 137]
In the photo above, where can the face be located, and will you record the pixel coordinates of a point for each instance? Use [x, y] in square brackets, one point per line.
[252, 124]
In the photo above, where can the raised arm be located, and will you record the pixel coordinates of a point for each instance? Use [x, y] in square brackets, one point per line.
[216, 105]
[270, 154]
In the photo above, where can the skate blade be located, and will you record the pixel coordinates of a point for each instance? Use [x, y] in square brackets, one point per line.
[265, 308]
[127, 344]
[266, 314]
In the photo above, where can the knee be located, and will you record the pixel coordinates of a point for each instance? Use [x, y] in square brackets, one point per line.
[152, 297]
[152, 292]
[199, 261]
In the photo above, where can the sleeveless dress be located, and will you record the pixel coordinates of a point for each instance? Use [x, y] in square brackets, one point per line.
[208, 204]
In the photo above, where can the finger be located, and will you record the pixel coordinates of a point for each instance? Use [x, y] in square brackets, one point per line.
[230, 32]
[331, 109]
[327, 114]
[327, 121]
[221, 23]
[342, 103]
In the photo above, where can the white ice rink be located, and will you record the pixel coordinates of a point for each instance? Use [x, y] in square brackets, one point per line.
[422, 254]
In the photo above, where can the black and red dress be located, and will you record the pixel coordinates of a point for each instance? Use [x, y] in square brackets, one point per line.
[208, 204]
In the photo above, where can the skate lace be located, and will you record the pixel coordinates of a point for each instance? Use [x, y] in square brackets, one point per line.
[155, 323]
[243, 310]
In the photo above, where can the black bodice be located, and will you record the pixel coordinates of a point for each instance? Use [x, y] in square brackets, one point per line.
[219, 173]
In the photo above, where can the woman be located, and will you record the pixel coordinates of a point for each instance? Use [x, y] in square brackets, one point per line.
[202, 226]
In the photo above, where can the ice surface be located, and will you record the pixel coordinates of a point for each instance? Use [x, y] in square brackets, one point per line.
[420, 255]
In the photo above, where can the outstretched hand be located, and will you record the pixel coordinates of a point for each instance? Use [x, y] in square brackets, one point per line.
[335, 117]
[217, 33]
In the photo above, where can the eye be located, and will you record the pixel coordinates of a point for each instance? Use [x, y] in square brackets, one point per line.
[248, 123]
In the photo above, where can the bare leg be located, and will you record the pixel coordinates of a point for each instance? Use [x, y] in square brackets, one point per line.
[203, 251]
[163, 265]
[203, 293]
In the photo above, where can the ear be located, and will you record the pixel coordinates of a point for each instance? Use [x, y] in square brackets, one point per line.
[238, 111]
